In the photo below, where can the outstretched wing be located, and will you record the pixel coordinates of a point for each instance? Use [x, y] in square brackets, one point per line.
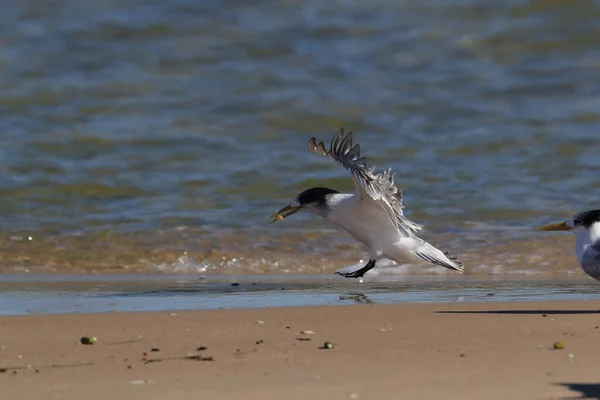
[369, 185]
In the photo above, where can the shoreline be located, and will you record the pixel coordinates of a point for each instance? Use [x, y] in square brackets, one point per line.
[54, 294]
[268, 252]
[400, 351]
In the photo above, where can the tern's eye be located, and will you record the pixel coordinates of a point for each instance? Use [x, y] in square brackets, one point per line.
[577, 222]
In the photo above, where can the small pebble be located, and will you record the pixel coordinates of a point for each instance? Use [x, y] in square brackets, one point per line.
[260, 322]
[140, 381]
[327, 345]
[88, 340]
[307, 332]
[155, 349]
[558, 345]
[201, 348]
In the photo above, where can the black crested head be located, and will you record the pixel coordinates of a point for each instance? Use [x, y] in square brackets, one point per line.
[316, 196]
[586, 218]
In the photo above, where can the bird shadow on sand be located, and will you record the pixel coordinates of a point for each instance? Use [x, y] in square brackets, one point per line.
[586, 390]
[524, 312]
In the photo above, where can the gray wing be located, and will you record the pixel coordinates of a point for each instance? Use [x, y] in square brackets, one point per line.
[369, 186]
[590, 262]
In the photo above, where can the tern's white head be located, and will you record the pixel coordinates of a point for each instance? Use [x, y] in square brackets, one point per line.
[586, 227]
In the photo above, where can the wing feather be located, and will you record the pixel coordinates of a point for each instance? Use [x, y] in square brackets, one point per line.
[441, 260]
[369, 185]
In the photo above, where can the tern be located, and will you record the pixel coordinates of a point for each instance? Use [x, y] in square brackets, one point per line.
[373, 215]
[586, 227]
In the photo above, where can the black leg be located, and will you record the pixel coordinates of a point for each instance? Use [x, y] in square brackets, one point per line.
[359, 273]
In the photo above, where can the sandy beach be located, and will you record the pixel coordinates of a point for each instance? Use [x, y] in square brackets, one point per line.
[406, 351]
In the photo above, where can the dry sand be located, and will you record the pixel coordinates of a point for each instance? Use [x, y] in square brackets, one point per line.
[407, 351]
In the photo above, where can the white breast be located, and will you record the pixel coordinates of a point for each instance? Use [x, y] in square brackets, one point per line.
[370, 224]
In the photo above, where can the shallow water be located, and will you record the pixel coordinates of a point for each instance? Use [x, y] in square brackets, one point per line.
[56, 294]
[132, 132]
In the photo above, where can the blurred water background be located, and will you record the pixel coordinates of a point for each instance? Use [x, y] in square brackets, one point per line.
[158, 136]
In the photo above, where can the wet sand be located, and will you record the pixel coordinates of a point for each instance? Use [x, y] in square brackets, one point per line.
[405, 351]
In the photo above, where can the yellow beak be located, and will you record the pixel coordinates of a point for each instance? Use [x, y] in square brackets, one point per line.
[559, 226]
[284, 213]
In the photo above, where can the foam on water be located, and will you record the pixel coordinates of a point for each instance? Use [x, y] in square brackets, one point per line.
[289, 252]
